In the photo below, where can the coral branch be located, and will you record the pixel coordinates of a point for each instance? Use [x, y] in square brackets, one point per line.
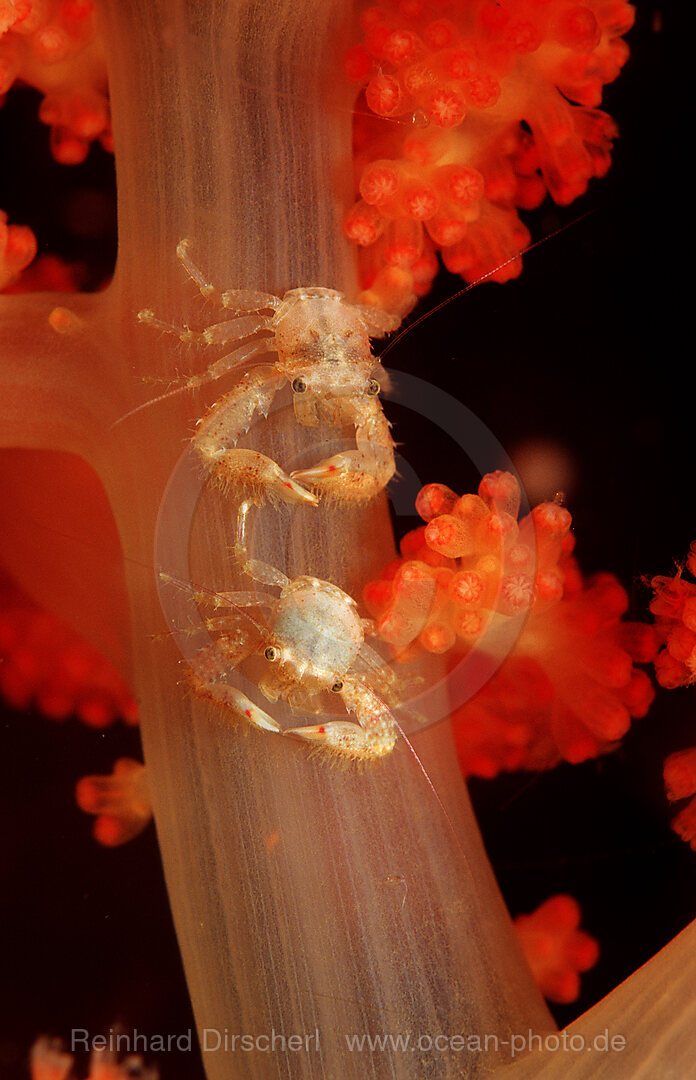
[641, 1029]
[246, 149]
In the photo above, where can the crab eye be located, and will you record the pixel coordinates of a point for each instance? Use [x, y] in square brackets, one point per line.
[337, 687]
[271, 653]
[373, 387]
[299, 386]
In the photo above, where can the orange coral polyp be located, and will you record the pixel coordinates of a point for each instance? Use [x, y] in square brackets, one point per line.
[420, 201]
[433, 500]
[466, 588]
[684, 824]
[680, 774]
[512, 92]
[47, 665]
[385, 95]
[364, 225]
[569, 689]
[379, 183]
[120, 802]
[674, 608]
[17, 249]
[556, 949]
[53, 47]
[674, 605]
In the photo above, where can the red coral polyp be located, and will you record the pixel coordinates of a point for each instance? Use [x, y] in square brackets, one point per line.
[45, 664]
[120, 802]
[570, 688]
[53, 46]
[556, 949]
[17, 249]
[483, 109]
[674, 608]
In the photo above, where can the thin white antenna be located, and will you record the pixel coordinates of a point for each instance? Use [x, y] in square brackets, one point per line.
[484, 277]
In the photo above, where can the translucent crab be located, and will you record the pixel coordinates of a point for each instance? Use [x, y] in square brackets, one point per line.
[323, 347]
[312, 640]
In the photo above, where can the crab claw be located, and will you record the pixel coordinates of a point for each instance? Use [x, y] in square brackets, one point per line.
[253, 474]
[256, 716]
[346, 476]
[206, 685]
[347, 740]
[287, 489]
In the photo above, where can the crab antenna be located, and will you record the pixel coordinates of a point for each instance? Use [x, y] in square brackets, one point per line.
[421, 766]
[154, 401]
[484, 277]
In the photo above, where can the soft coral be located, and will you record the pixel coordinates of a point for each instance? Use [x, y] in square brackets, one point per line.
[487, 106]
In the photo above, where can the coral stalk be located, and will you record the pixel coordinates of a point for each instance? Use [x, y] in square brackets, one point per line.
[304, 898]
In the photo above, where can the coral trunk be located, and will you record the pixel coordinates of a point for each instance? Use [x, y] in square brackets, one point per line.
[305, 898]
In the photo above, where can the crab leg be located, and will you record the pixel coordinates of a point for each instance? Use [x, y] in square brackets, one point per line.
[205, 679]
[259, 571]
[216, 599]
[221, 333]
[374, 738]
[226, 421]
[243, 300]
[378, 322]
[362, 473]
[379, 672]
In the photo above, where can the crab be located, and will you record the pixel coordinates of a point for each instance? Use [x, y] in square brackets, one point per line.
[311, 639]
[323, 348]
